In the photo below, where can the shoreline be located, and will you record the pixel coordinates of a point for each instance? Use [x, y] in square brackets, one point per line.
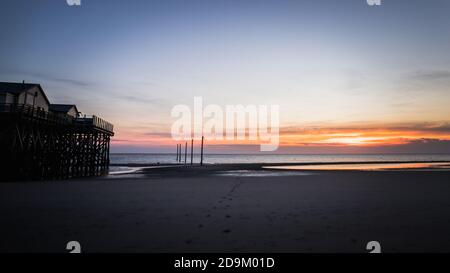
[274, 164]
[149, 170]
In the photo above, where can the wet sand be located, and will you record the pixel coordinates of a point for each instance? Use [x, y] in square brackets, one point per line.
[190, 210]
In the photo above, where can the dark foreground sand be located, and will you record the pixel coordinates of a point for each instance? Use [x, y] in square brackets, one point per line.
[407, 211]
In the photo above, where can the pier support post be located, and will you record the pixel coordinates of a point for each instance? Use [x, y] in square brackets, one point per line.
[185, 153]
[201, 153]
[192, 151]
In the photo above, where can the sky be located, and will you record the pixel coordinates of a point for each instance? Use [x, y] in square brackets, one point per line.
[348, 77]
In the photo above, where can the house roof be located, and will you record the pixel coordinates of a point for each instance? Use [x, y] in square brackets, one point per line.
[62, 108]
[18, 88]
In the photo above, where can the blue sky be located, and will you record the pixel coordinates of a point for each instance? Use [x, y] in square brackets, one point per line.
[326, 63]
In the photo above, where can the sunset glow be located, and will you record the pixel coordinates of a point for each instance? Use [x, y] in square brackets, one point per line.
[315, 137]
[342, 85]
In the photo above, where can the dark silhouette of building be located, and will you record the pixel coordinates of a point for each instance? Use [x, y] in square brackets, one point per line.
[65, 109]
[39, 140]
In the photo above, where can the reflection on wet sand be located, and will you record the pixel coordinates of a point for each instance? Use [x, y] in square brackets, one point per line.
[364, 167]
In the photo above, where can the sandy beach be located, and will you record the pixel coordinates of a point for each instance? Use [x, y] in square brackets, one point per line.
[183, 210]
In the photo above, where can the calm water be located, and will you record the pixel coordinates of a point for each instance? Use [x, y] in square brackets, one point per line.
[124, 159]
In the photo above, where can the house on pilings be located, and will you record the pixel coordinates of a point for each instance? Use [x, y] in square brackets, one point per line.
[44, 141]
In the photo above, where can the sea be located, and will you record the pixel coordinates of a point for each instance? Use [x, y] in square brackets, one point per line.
[151, 159]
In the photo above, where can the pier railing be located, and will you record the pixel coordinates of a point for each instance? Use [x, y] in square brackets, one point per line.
[29, 111]
[95, 122]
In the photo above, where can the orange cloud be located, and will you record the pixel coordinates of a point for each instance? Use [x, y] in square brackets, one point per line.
[365, 135]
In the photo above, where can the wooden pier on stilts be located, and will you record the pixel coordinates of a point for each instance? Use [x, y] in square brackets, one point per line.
[39, 144]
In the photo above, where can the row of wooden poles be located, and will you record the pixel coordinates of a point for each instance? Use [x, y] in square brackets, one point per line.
[180, 152]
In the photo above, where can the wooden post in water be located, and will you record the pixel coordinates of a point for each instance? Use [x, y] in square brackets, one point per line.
[177, 153]
[192, 152]
[201, 151]
[185, 153]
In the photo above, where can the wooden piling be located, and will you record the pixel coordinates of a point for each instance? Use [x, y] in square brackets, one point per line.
[192, 152]
[185, 153]
[201, 153]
